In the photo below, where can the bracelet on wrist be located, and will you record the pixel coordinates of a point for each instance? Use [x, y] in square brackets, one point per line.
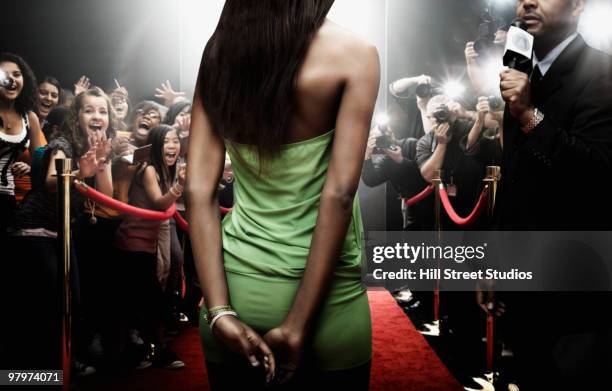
[535, 118]
[220, 315]
[214, 310]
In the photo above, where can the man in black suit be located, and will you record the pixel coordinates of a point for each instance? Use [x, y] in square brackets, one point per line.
[557, 157]
[558, 127]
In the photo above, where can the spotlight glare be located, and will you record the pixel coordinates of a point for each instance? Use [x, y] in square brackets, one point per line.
[382, 119]
[595, 25]
[2, 75]
[453, 89]
[491, 70]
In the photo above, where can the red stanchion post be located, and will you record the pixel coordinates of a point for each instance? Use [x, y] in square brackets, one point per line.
[492, 178]
[433, 329]
[437, 182]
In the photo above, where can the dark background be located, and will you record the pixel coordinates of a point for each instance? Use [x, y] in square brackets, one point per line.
[135, 41]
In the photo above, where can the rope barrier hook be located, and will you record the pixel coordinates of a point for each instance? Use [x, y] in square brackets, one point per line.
[492, 178]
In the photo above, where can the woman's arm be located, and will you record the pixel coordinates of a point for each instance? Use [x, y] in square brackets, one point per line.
[104, 180]
[203, 175]
[151, 185]
[37, 137]
[336, 204]
[206, 163]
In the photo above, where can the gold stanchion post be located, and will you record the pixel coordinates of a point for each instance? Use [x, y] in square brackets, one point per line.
[63, 169]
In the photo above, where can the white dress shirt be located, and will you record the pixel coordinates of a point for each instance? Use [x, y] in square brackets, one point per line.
[550, 58]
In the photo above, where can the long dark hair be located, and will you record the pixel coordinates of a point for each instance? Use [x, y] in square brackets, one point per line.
[157, 135]
[26, 101]
[250, 65]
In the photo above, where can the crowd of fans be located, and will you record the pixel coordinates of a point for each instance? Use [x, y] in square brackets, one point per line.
[131, 296]
[134, 281]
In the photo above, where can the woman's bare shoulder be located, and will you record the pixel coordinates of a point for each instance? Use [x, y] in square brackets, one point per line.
[343, 45]
[32, 117]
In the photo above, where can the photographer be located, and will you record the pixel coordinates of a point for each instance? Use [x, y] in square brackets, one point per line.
[389, 159]
[457, 147]
[412, 95]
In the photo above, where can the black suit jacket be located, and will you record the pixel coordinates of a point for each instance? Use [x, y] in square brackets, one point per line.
[554, 177]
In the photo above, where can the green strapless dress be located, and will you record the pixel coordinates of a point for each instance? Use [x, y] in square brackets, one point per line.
[266, 240]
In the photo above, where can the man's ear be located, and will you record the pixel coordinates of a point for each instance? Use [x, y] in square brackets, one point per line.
[578, 7]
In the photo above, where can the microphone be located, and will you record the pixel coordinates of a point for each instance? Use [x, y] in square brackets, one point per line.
[5, 81]
[519, 47]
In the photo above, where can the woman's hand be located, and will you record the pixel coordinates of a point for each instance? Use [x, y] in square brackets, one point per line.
[168, 94]
[181, 172]
[288, 348]
[20, 169]
[121, 146]
[102, 147]
[82, 85]
[183, 124]
[119, 92]
[88, 164]
[241, 339]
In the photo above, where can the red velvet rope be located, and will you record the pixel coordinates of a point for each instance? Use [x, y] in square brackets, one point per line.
[180, 221]
[420, 197]
[122, 207]
[475, 213]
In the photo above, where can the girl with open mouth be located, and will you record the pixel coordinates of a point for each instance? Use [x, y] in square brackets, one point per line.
[83, 138]
[47, 98]
[19, 130]
[138, 241]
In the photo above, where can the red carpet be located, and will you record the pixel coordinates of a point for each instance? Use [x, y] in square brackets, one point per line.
[402, 359]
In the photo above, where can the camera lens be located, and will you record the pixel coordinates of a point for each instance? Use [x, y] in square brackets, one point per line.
[384, 142]
[495, 102]
[424, 90]
[442, 114]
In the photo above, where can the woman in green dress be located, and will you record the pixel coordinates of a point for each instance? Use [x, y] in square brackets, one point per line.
[289, 95]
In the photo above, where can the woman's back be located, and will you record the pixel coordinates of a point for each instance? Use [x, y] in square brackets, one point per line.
[321, 81]
[276, 206]
[288, 257]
